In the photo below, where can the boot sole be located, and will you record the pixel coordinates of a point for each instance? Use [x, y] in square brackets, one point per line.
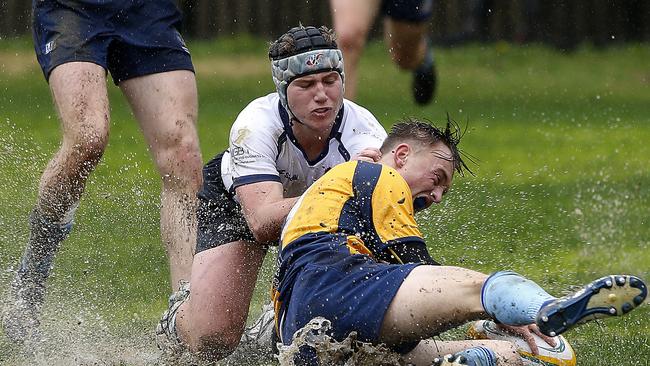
[605, 297]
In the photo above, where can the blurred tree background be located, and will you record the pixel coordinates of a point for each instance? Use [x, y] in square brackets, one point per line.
[562, 23]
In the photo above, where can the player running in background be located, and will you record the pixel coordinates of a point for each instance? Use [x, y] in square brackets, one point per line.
[76, 42]
[405, 32]
[279, 145]
[351, 252]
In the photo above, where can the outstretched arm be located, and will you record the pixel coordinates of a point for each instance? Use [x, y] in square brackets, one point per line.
[265, 209]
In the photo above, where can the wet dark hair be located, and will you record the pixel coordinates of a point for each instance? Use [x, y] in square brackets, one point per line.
[301, 39]
[425, 133]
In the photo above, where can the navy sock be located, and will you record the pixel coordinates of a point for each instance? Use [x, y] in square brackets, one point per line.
[44, 241]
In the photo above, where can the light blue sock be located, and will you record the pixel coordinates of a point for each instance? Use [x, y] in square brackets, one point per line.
[479, 356]
[512, 299]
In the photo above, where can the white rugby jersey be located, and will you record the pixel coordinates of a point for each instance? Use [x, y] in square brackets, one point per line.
[263, 148]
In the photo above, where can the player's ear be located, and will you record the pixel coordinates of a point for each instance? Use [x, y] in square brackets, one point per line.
[402, 151]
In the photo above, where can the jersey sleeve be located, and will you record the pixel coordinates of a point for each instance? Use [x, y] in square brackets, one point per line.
[253, 146]
[362, 130]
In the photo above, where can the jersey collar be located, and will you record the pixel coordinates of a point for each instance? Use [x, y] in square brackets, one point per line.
[334, 133]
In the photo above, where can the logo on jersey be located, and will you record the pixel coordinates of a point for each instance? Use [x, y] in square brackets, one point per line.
[237, 151]
[287, 175]
[314, 60]
[241, 135]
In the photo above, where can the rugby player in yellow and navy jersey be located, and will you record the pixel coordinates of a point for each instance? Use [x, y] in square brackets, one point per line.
[351, 252]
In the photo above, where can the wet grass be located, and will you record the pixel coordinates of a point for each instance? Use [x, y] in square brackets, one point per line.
[561, 192]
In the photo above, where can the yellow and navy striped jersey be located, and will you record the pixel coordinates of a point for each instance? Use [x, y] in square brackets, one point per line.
[370, 203]
[355, 208]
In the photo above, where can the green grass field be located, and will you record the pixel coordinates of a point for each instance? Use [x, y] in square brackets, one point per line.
[560, 193]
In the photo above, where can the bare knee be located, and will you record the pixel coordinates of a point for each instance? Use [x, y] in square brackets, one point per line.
[218, 344]
[85, 146]
[179, 159]
[351, 41]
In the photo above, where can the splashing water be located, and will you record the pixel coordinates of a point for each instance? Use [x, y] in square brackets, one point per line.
[76, 328]
[70, 335]
[348, 352]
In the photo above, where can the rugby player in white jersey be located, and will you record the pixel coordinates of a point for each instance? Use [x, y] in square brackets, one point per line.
[279, 145]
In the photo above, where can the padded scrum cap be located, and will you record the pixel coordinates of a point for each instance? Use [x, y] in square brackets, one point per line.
[310, 53]
[305, 39]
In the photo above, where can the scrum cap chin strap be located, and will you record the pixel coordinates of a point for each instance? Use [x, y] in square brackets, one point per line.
[312, 55]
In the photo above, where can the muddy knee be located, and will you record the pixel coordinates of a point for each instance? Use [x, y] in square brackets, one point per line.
[218, 345]
[179, 160]
[64, 178]
[85, 147]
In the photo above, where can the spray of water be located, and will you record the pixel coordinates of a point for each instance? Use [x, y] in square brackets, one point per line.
[76, 328]
[73, 334]
[348, 352]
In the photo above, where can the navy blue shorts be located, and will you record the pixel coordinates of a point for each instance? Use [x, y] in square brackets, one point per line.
[220, 218]
[408, 10]
[129, 38]
[352, 291]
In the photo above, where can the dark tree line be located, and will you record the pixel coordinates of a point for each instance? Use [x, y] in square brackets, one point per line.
[562, 23]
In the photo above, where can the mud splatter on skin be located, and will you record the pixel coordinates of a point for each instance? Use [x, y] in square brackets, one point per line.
[85, 136]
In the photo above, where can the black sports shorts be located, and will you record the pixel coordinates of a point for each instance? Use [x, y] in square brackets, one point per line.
[220, 218]
[408, 10]
[129, 38]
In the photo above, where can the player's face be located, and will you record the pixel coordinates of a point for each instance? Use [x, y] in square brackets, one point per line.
[316, 99]
[429, 173]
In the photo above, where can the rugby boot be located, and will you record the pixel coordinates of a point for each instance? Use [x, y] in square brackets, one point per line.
[174, 351]
[425, 79]
[21, 316]
[613, 295]
[167, 338]
[258, 340]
